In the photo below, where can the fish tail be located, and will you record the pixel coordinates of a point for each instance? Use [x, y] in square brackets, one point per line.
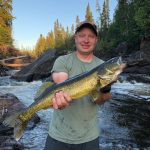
[18, 125]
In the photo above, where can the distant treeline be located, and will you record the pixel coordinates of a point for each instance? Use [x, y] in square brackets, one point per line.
[131, 23]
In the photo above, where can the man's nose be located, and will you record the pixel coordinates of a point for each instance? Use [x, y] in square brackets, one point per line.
[86, 39]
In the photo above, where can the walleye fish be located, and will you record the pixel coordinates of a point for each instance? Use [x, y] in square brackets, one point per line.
[76, 87]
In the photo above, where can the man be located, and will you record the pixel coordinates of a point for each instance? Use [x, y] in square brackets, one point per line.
[74, 124]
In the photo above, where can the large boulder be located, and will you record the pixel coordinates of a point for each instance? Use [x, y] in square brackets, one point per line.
[138, 78]
[121, 49]
[139, 62]
[138, 68]
[10, 104]
[39, 69]
[3, 71]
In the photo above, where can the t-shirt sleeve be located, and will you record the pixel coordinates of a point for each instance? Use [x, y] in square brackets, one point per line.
[60, 65]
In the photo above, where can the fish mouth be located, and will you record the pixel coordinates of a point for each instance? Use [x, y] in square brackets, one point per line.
[123, 66]
[112, 77]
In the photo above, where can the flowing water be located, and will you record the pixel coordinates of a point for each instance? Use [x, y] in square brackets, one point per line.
[124, 121]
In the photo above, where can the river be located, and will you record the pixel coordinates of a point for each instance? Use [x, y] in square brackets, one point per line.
[124, 121]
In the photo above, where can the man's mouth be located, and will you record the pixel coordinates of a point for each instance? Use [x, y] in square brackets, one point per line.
[86, 46]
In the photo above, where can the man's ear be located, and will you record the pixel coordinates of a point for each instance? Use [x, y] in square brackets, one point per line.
[75, 36]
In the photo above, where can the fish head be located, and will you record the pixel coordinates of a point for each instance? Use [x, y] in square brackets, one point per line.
[109, 71]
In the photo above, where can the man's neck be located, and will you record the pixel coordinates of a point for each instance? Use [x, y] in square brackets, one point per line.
[84, 57]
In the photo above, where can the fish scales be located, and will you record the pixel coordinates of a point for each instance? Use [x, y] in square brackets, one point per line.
[87, 85]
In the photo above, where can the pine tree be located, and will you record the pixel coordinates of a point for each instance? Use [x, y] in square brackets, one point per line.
[77, 20]
[58, 34]
[72, 29]
[121, 16]
[67, 39]
[6, 22]
[88, 15]
[98, 9]
[40, 45]
[105, 15]
[50, 41]
[142, 16]
[107, 12]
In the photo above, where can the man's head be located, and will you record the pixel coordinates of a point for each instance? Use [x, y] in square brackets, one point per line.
[86, 37]
[86, 24]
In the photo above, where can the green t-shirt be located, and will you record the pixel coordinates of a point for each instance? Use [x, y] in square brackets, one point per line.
[77, 123]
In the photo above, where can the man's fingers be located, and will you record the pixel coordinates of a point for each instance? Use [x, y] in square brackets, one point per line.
[67, 97]
[64, 102]
[55, 106]
[61, 100]
[58, 99]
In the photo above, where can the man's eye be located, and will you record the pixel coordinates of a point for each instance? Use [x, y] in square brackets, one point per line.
[91, 36]
[81, 35]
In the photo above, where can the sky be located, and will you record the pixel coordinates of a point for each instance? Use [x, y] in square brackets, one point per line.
[35, 17]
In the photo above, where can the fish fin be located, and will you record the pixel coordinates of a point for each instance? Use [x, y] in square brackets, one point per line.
[95, 94]
[18, 125]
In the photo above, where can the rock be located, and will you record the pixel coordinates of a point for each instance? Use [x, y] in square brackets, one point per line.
[39, 69]
[121, 49]
[10, 104]
[5, 131]
[3, 71]
[139, 62]
[8, 51]
[138, 78]
[145, 43]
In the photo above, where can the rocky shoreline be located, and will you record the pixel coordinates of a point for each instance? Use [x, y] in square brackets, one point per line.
[10, 104]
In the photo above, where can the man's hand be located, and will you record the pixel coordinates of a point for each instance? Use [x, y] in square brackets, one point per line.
[61, 100]
[103, 98]
[104, 95]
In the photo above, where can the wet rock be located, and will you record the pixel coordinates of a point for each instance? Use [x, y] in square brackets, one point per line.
[10, 104]
[139, 62]
[121, 49]
[3, 71]
[145, 43]
[138, 78]
[39, 69]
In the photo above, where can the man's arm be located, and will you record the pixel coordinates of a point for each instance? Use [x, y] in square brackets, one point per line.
[59, 77]
[103, 98]
[104, 95]
[61, 99]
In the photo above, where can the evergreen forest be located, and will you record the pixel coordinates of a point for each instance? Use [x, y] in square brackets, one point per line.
[130, 25]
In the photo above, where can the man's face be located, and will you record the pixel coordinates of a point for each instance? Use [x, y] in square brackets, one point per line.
[85, 41]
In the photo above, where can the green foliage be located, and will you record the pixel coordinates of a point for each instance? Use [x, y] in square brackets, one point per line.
[58, 33]
[88, 15]
[50, 41]
[98, 10]
[5, 36]
[6, 23]
[77, 20]
[142, 16]
[105, 16]
[131, 22]
[40, 45]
